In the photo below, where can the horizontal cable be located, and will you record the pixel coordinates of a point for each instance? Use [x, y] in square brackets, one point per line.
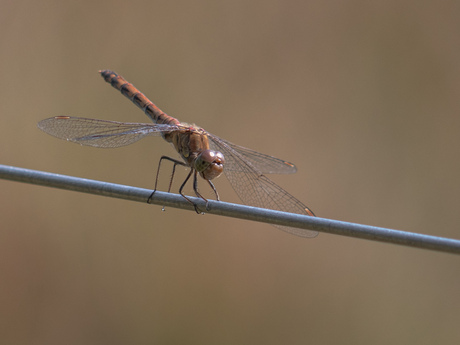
[231, 210]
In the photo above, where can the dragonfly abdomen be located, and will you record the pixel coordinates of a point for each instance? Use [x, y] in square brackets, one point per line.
[138, 98]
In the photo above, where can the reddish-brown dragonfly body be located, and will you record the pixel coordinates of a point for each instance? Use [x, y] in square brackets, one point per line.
[201, 151]
[188, 142]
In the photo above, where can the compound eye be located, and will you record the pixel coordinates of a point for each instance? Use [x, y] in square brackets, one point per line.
[210, 164]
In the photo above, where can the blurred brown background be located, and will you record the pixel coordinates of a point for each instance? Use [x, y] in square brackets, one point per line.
[362, 96]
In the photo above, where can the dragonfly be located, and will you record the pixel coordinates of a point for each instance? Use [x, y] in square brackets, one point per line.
[206, 154]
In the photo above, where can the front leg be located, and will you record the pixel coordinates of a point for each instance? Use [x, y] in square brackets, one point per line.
[214, 189]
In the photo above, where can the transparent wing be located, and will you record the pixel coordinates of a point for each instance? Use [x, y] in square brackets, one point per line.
[100, 133]
[243, 169]
[265, 164]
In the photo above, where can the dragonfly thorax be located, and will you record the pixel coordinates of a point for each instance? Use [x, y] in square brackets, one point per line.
[210, 164]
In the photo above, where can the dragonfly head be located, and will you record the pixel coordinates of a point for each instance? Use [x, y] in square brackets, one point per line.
[209, 164]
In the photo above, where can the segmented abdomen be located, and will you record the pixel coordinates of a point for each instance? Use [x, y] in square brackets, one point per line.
[138, 98]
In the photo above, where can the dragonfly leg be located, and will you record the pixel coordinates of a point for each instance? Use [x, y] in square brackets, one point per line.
[176, 162]
[214, 189]
[195, 188]
[197, 210]
[198, 194]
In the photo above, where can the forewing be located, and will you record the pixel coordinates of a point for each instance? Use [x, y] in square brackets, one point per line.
[263, 163]
[254, 188]
[100, 133]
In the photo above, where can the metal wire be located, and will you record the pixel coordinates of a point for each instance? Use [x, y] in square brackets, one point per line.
[231, 210]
